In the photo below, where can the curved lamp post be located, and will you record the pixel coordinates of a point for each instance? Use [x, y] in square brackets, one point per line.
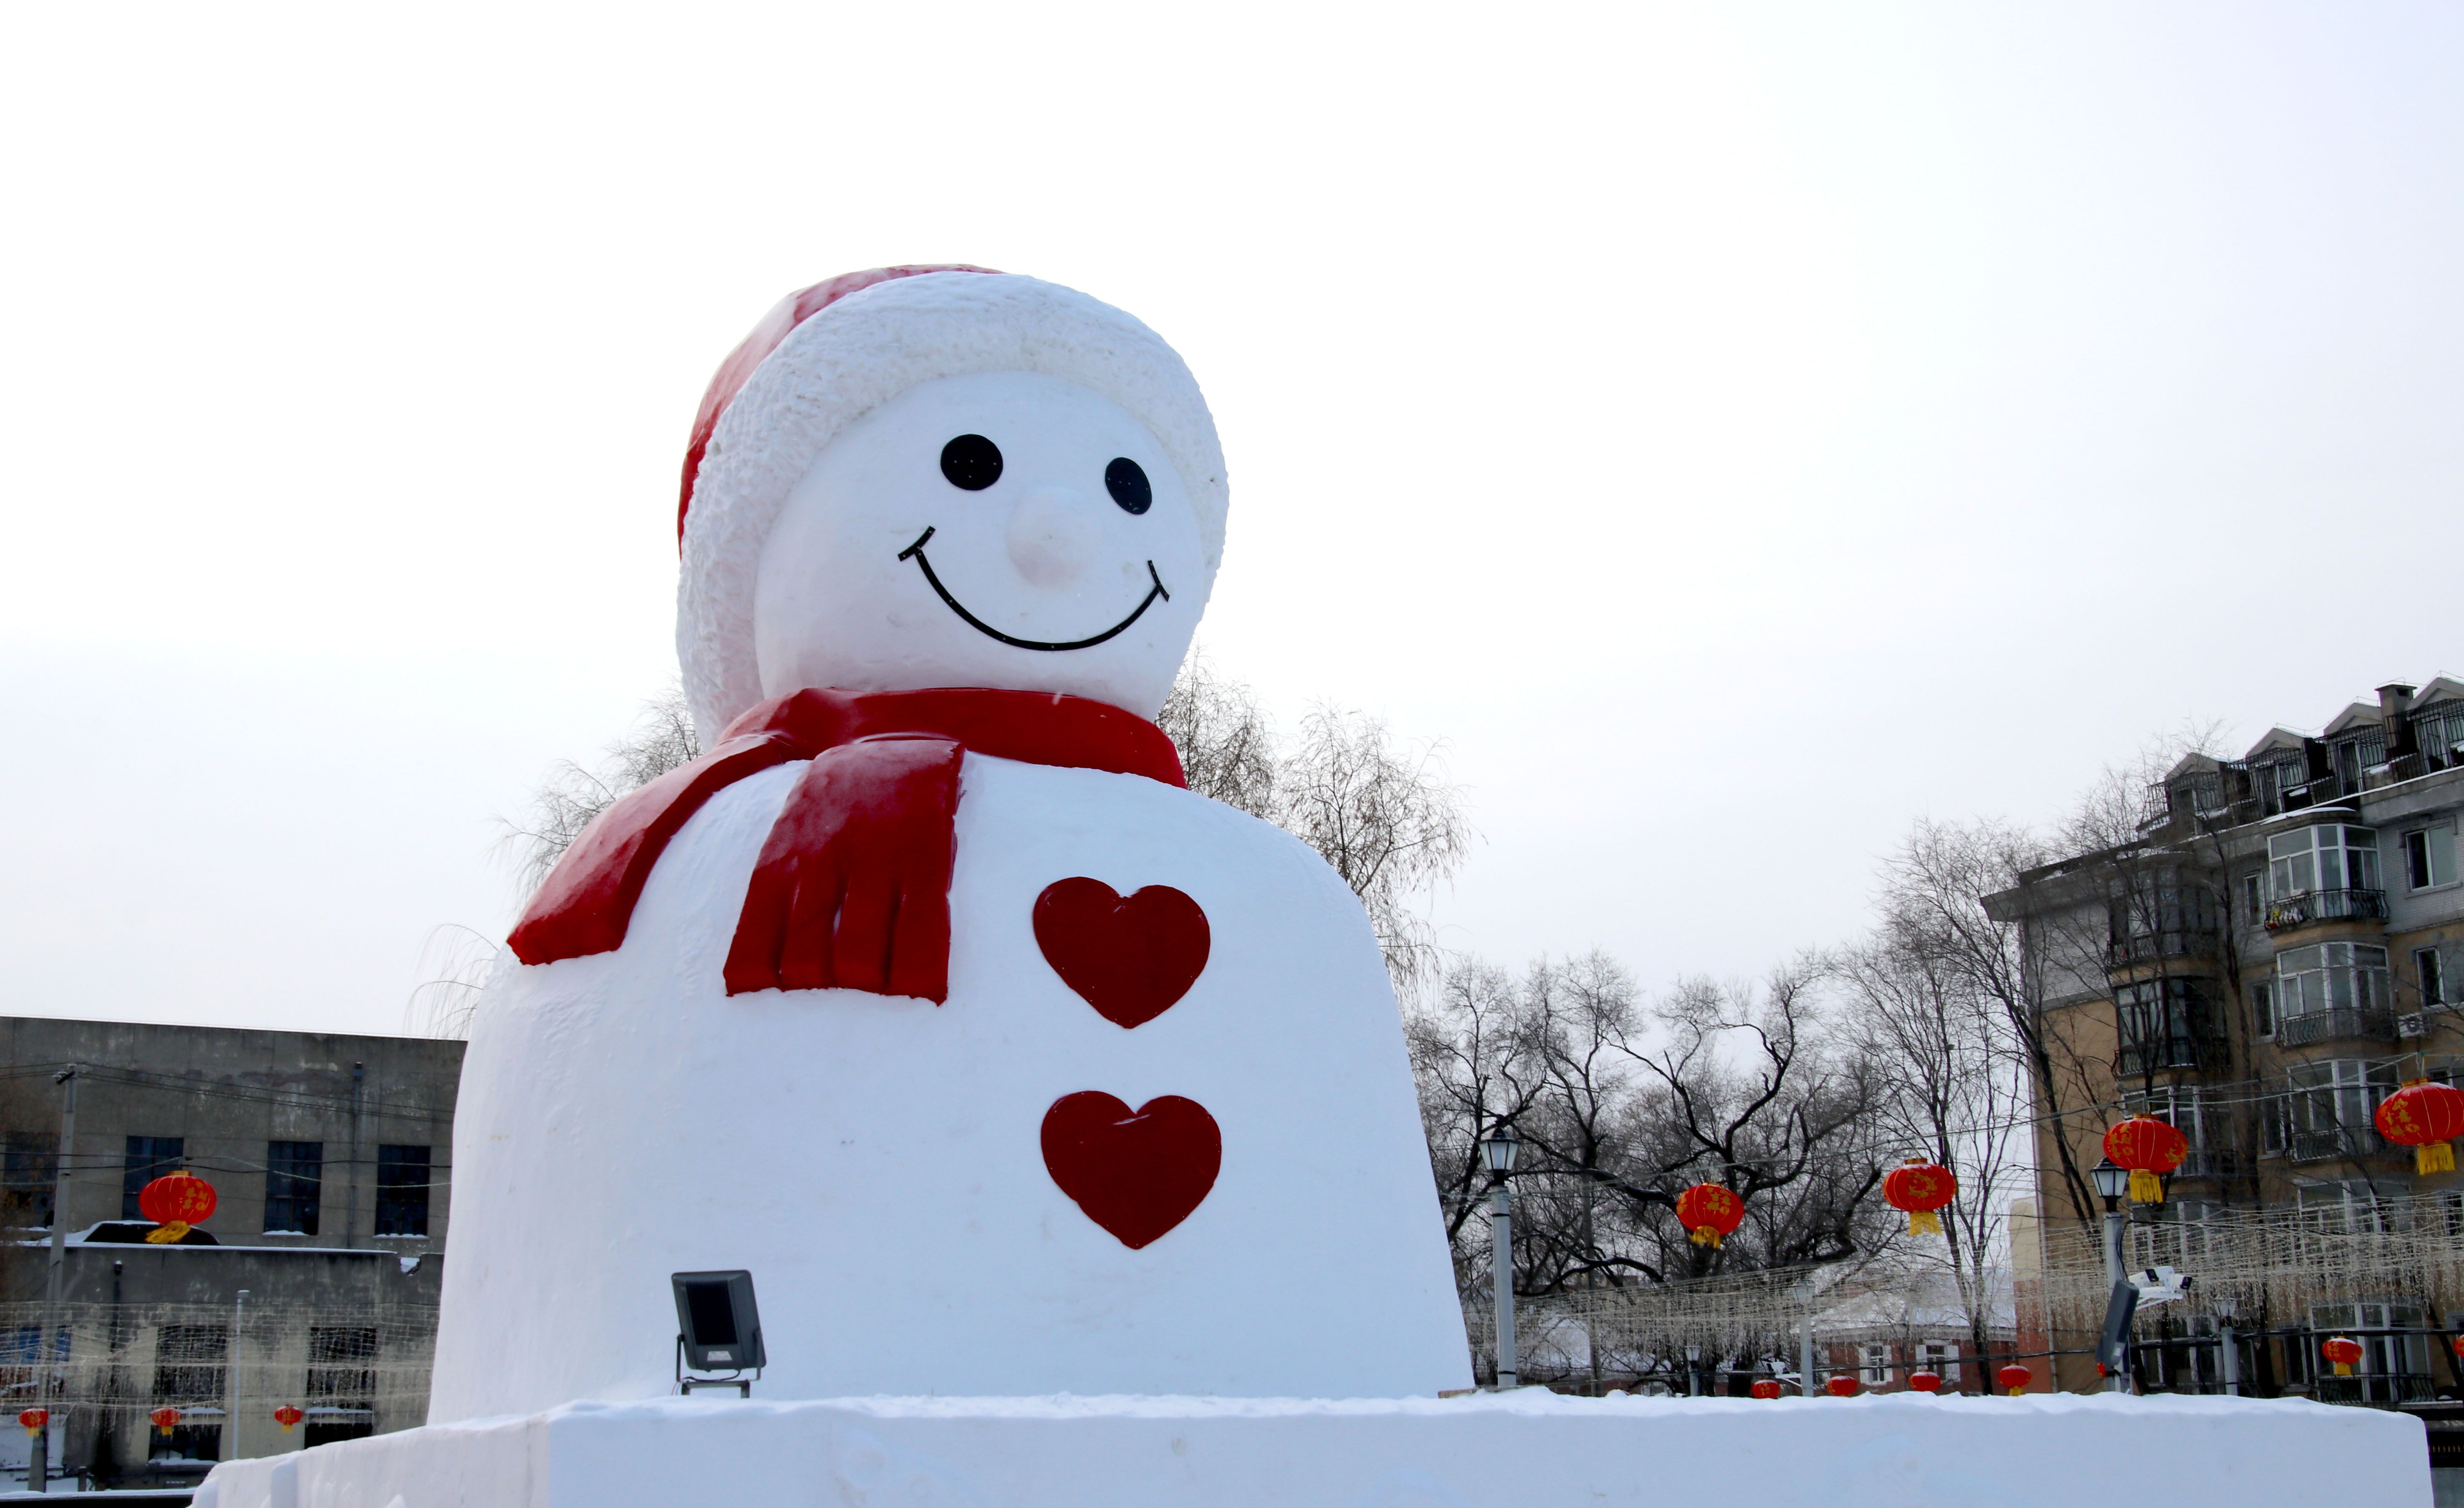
[2112, 1182]
[1501, 1148]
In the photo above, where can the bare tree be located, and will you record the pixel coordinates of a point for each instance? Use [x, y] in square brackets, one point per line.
[1227, 747]
[661, 739]
[1387, 819]
[1955, 1091]
[1621, 1106]
[1936, 888]
[1385, 816]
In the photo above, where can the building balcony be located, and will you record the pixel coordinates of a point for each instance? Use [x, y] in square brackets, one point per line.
[2209, 1163]
[2125, 952]
[2170, 1053]
[2330, 1026]
[2341, 1143]
[2326, 905]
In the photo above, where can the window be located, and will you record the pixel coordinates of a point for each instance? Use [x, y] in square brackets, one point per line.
[294, 1174]
[2325, 857]
[149, 1158]
[341, 1382]
[2348, 1207]
[2262, 1006]
[32, 1176]
[2332, 976]
[189, 1365]
[2165, 1022]
[1942, 1358]
[2328, 1112]
[2353, 756]
[402, 1190]
[2425, 973]
[2438, 732]
[2175, 1234]
[2428, 857]
[1874, 1366]
[2393, 1367]
[2254, 898]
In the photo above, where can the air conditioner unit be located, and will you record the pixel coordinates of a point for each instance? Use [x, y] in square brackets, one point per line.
[2415, 1025]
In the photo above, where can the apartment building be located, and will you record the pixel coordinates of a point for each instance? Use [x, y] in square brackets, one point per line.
[2278, 948]
[313, 1285]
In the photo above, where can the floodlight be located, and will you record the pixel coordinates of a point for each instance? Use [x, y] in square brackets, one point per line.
[716, 1323]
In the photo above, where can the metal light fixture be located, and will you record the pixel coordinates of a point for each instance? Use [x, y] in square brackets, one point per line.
[717, 1327]
[2112, 1181]
[1501, 1148]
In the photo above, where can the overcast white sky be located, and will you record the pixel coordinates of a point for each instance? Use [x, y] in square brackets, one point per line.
[1735, 431]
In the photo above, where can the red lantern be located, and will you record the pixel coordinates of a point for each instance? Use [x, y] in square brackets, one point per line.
[2149, 1148]
[1921, 1187]
[1924, 1381]
[33, 1420]
[164, 1418]
[175, 1202]
[1840, 1385]
[2342, 1351]
[1709, 1212]
[2427, 1118]
[2457, 1347]
[2015, 1379]
[287, 1417]
[1767, 1388]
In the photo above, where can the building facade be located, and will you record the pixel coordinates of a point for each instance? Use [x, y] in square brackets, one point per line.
[312, 1286]
[2278, 947]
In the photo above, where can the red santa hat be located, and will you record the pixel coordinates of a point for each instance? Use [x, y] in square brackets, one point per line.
[830, 354]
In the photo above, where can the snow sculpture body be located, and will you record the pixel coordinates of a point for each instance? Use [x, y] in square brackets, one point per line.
[1004, 1064]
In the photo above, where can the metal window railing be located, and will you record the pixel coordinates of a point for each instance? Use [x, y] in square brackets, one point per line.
[2326, 905]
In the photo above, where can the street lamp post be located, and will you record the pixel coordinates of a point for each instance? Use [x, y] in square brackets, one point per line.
[1500, 1149]
[2111, 1183]
[2228, 1344]
[1804, 1291]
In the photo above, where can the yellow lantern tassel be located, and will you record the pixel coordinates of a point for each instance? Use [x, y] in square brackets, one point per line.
[171, 1230]
[1706, 1235]
[2435, 1157]
[1924, 1222]
[2145, 1187]
[2344, 1369]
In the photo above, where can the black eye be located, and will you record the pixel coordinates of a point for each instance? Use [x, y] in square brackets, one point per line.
[974, 462]
[1126, 482]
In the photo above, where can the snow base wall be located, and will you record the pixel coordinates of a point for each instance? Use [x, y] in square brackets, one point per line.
[1483, 1451]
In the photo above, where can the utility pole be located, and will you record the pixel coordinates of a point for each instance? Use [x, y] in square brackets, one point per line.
[231, 1416]
[351, 1178]
[38, 1461]
[1805, 1344]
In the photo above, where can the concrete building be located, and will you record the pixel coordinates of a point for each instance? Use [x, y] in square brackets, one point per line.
[2276, 948]
[328, 1156]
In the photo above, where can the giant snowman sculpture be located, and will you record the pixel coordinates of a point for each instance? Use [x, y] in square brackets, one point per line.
[1061, 1116]
[927, 994]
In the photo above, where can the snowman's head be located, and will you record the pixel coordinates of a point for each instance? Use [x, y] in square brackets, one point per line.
[947, 478]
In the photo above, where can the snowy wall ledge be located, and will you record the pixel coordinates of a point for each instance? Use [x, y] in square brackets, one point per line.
[1483, 1451]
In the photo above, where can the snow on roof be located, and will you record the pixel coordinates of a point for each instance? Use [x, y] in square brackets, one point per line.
[2278, 738]
[2439, 689]
[2193, 763]
[2353, 716]
[1921, 1301]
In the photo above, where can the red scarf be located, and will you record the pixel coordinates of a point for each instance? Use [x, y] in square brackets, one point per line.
[852, 889]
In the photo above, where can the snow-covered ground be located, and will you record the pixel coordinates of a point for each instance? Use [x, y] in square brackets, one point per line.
[1523, 1450]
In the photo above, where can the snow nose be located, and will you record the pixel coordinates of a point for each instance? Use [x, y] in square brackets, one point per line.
[1050, 542]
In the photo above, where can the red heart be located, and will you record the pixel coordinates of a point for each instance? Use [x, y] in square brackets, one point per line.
[1138, 1174]
[1130, 960]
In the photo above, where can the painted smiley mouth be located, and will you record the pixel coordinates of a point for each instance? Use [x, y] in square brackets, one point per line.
[917, 550]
